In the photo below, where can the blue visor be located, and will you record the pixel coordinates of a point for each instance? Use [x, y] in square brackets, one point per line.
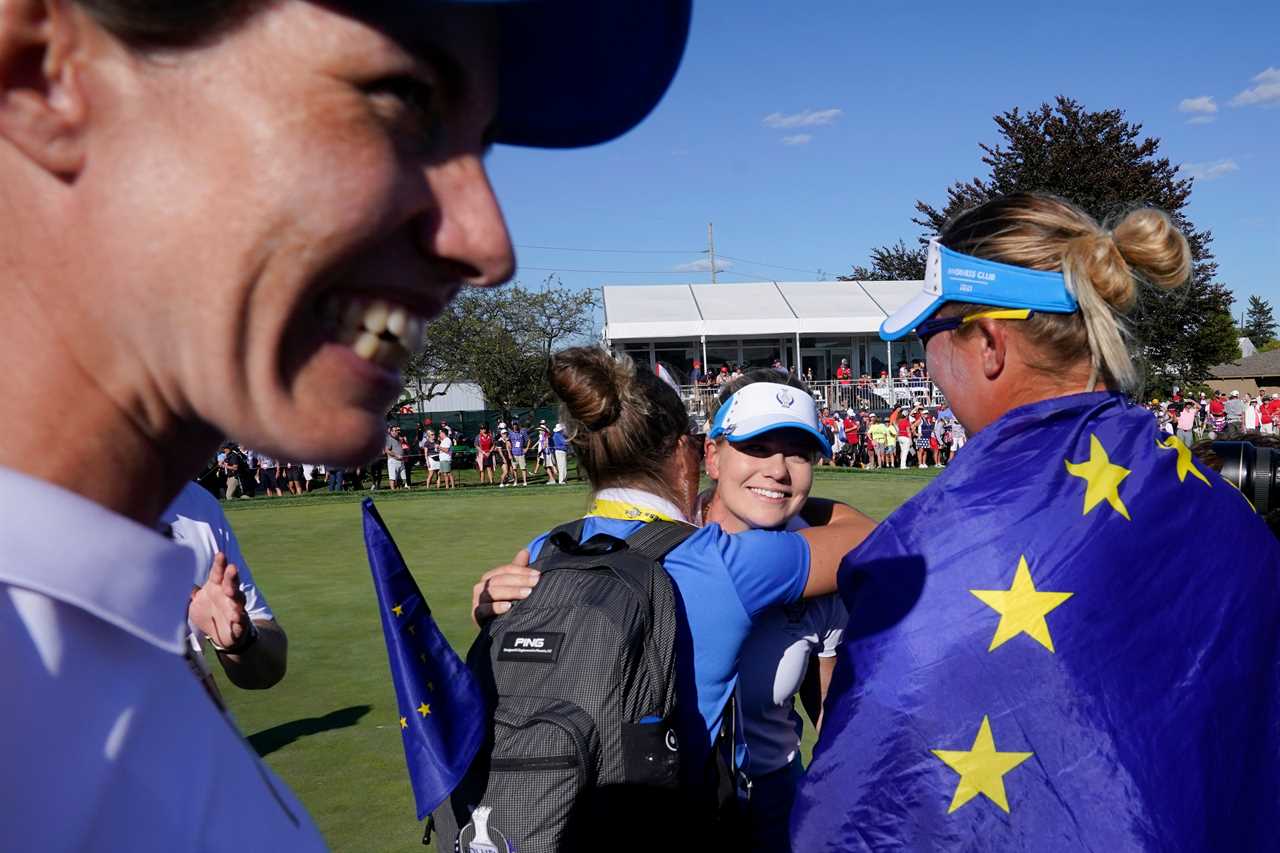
[953, 277]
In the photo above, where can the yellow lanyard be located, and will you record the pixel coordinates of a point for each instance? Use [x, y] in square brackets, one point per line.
[606, 508]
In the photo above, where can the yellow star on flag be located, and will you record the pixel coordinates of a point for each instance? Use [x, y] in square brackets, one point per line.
[1185, 464]
[423, 657]
[1102, 477]
[431, 687]
[1022, 608]
[410, 630]
[981, 769]
[404, 722]
[424, 709]
[398, 610]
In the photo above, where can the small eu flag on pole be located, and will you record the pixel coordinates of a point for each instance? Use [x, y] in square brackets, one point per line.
[441, 709]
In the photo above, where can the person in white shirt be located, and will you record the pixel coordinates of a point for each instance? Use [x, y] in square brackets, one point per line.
[226, 606]
[445, 454]
[229, 218]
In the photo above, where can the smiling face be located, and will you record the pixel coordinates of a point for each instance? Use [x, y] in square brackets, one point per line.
[763, 481]
[282, 211]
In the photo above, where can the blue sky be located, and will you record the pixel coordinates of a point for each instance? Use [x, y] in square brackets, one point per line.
[806, 132]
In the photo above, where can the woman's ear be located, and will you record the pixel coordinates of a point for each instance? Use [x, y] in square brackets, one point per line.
[992, 339]
[712, 458]
[42, 99]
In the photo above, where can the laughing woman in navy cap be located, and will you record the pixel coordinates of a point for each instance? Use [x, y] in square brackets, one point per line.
[230, 217]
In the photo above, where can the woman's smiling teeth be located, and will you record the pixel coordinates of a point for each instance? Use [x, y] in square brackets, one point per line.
[380, 332]
[769, 494]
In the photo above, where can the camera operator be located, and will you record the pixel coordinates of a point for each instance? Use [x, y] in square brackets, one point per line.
[1252, 465]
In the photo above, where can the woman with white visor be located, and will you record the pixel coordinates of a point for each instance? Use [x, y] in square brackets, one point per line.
[760, 452]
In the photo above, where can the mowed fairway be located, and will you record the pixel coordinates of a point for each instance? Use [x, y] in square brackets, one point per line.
[331, 729]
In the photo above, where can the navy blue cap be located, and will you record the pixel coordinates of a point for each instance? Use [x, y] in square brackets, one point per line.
[581, 72]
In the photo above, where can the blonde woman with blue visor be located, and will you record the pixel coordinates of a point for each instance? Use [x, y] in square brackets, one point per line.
[1066, 656]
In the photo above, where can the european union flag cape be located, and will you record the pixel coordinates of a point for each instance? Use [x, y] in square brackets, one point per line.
[1076, 648]
[441, 711]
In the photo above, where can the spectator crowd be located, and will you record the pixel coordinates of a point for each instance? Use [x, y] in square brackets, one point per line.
[507, 457]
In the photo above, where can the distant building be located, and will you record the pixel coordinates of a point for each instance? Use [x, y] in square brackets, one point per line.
[1258, 373]
[810, 325]
[1246, 347]
[457, 397]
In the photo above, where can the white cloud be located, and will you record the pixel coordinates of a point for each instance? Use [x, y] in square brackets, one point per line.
[804, 118]
[1210, 170]
[1202, 104]
[1267, 90]
[1202, 109]
[703, 265]
[797, 139]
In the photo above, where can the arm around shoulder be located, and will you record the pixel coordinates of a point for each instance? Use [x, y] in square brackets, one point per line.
[830, 540]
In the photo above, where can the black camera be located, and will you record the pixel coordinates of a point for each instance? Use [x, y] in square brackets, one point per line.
[1255, 471]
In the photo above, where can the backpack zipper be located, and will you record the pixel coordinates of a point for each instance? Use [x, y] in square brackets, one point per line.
[555, 762]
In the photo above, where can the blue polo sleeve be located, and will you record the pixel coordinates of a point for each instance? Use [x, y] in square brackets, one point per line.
[767, 567]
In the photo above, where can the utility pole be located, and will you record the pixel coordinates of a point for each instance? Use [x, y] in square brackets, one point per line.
[711, 250]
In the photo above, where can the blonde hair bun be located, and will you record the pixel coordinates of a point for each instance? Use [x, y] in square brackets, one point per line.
[1153, 247]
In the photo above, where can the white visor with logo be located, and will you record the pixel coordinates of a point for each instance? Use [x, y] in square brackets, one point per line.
[763, 407]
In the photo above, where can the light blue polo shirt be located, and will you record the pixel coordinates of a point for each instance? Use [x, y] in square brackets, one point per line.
[722, 582]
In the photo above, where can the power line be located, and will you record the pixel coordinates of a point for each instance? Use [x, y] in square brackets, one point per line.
[615, 251]
[617, 272]
[751, 276]
[763, 264]
[718, 270]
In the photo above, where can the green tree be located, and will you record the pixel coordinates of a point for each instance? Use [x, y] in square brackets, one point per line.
[1104, 164]
[502, 339]
[898, 262]
[1260, 322]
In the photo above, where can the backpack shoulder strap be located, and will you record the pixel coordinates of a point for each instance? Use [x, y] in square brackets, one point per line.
[657, 538]
[557, 537]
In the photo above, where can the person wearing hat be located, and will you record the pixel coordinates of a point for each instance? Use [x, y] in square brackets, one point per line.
[696, 373]
[1270, 415]
[903, 424]
[1234, 411]
[1049, 635]
[518, 442]
[844, 374]
[546, 456]
[231, 218]
[502, 450]
[560, 445]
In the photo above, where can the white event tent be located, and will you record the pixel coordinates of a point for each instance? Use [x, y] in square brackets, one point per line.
[809, 324]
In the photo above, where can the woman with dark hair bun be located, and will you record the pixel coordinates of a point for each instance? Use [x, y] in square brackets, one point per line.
[230, 218]
[633, 438]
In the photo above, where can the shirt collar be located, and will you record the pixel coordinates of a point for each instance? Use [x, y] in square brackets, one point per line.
[73, 550]
[644, 500]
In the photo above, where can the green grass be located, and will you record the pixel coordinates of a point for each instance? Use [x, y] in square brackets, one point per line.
[330, 729]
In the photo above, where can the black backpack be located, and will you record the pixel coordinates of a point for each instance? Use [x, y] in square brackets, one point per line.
[580, 680]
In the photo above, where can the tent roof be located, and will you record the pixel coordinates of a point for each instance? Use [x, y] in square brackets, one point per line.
[655, 311]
